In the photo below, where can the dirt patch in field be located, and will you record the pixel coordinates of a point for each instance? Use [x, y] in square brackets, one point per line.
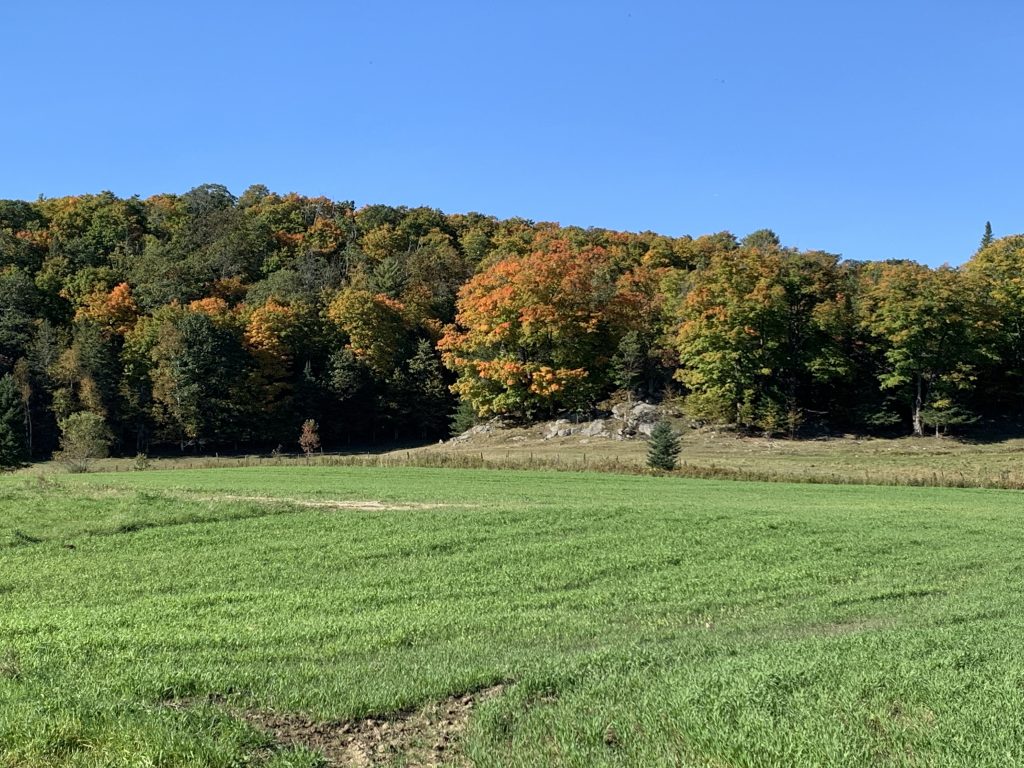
[425, 738]
[368, 506]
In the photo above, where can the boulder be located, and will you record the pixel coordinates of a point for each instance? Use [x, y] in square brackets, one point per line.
[560, 428]
[645, 428]
[480, 429]
[645, 413]
[595, 428]
[636, 419]
[620, 411]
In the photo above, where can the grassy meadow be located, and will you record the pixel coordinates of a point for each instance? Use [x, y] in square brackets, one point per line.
[929, 461]
[632, 621]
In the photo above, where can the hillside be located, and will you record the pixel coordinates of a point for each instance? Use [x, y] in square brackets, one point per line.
[209, 322]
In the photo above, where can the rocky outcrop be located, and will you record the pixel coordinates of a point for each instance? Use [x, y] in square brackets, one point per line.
[560, 428]
[596, 428]
[627, 421]
[480, 429]
[637, 419]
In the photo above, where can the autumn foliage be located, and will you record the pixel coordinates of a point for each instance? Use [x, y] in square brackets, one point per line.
[532, 333]
[204, 319]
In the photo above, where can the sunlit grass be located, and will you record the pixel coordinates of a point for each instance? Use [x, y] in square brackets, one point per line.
[639, 620]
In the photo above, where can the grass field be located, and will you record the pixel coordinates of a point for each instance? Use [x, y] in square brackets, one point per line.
[169, 618]
[929, 461]
[891, 461]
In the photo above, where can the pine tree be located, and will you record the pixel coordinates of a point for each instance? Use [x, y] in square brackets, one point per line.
[986, 239]
[13, 436]
[462, 418]
[628, 364]
[664, 447]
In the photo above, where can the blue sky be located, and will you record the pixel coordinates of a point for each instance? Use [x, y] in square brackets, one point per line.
[872, 129]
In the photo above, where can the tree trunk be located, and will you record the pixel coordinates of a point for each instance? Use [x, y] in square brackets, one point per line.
[918, 426]
[28, 427]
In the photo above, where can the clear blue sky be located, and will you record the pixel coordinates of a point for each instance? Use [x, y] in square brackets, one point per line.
[873, 129]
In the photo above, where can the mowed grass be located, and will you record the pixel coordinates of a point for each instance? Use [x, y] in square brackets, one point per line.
[638, 621]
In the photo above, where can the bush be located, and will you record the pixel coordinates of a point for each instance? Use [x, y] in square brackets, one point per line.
[664, 449]
[84, 437]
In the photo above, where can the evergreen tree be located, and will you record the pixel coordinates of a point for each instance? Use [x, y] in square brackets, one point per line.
[986, 239]
[429, 393]
[463, 418]
[663, 452]
[628, 364]
[13, 438]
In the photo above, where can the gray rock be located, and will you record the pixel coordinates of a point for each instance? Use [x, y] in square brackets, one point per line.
[595, 428]
[636, 419]
[480, 429]
[645, 429]
[560, 428]
[645, 413]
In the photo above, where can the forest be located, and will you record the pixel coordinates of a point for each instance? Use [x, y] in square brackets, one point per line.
[208, 322]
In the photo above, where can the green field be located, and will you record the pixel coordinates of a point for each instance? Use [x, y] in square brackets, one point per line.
[166, 618]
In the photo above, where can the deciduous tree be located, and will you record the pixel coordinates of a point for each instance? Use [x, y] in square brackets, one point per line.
[923, 322]
[532, 333]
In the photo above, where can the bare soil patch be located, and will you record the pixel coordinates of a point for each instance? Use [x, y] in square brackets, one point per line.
[425, 738]
[364, 505]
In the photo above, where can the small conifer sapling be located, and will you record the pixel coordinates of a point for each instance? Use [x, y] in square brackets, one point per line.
[664, 448]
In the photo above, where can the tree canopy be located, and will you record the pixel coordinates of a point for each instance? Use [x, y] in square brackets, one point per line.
[210, 319]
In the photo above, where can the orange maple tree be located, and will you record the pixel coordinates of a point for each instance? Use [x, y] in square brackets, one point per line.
[532, 333]
[114, 310]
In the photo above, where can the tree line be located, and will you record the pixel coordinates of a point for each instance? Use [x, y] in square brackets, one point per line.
[204, 321]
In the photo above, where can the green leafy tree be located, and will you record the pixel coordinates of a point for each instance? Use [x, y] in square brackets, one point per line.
[758, 334]
[84, 437]
[664, 448]
[198, 371]
[628, 364]
[922, 322]
[730, 335]
[13, 432]
[88, 373]
[375, 327]
[19, 306]
[996, 271]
